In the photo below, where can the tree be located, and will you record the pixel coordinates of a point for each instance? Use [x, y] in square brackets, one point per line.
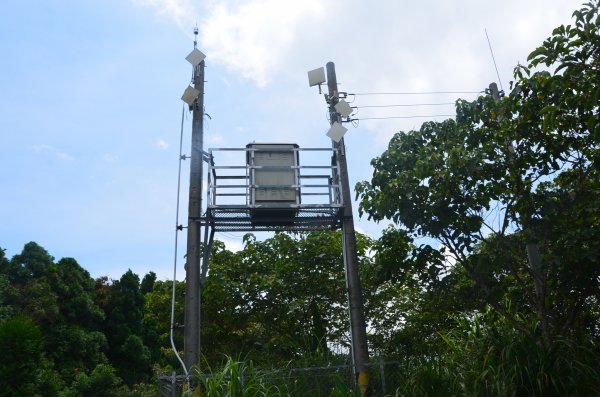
[101, 382]
[125, 310]
[495, 186]
[278, 299]
[138, 363]
[148, 283]
[9, 297]
[27, 272]
[123, 328]
[32, 262]
[157, 321]
[74, 340]
[413, 293]
[21, 352]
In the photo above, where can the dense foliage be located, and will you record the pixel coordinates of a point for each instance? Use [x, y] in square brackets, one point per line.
[276, 301]
[510, 192]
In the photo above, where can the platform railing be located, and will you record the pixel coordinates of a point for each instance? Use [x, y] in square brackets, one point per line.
[230, 187]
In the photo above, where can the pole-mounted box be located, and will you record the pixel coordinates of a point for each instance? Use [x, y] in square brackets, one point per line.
[273, 175]
[274, 181]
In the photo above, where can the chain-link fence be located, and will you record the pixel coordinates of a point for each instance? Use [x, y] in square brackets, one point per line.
[297, 382]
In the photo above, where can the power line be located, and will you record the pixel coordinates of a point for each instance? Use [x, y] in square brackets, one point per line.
[403, 117]
[417, 93]
[231, 235]
[407, 105]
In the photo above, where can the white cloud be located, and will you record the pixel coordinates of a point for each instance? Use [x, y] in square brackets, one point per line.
[182, 12]
[48, 149]
[162, 144]
[255, 37]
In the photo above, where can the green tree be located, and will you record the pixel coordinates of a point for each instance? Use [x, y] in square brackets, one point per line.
[21, 351]
[508, 182]
[138, 359]
[32, 262]
[123, 327]
[148, 283]
[101, 382]
[27, 272]
[125, 310]
[412, 293]
[59, 298]
[157, 321]
[278, 299]
[74, 340]
[9, 296]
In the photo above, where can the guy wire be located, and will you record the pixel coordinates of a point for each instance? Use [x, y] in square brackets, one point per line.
[493, 59]
[185, 370]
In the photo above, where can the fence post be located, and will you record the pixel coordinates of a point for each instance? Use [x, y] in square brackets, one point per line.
[382, 376]
[173, 385]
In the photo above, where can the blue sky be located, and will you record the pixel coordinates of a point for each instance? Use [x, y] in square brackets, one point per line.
[90, 106]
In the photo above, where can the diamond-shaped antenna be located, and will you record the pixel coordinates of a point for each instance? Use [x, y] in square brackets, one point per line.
[337, 131]
[195, 57]
[189, 95]
[343, 108]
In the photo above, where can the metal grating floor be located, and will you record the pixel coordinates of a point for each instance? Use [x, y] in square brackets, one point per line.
[300, 218]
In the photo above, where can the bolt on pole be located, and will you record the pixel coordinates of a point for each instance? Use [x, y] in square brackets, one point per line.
[358, 326]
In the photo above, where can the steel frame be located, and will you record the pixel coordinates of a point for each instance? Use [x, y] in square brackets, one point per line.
[319, 206]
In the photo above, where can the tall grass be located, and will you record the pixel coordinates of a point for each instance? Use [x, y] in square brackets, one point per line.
[239, 378]
[486, 357]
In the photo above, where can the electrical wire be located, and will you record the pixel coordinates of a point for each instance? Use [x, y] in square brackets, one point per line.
[403, 117]
[407, 105]
[417, 93]
[231, 235]
[185, 370]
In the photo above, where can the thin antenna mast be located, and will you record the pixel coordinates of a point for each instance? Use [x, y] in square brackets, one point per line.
[493, 59]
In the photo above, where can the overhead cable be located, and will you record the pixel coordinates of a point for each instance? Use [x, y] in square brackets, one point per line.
[416, 93]
[403, 117]
[407, 105]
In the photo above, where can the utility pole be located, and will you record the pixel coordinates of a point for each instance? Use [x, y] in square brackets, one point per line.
[192, 267]
[358, 325]
[532, 247]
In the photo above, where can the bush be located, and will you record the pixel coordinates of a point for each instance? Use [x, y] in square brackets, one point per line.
[101, 382]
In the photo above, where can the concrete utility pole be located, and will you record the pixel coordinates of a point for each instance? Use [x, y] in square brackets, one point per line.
[192, 267]
[358, 326]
